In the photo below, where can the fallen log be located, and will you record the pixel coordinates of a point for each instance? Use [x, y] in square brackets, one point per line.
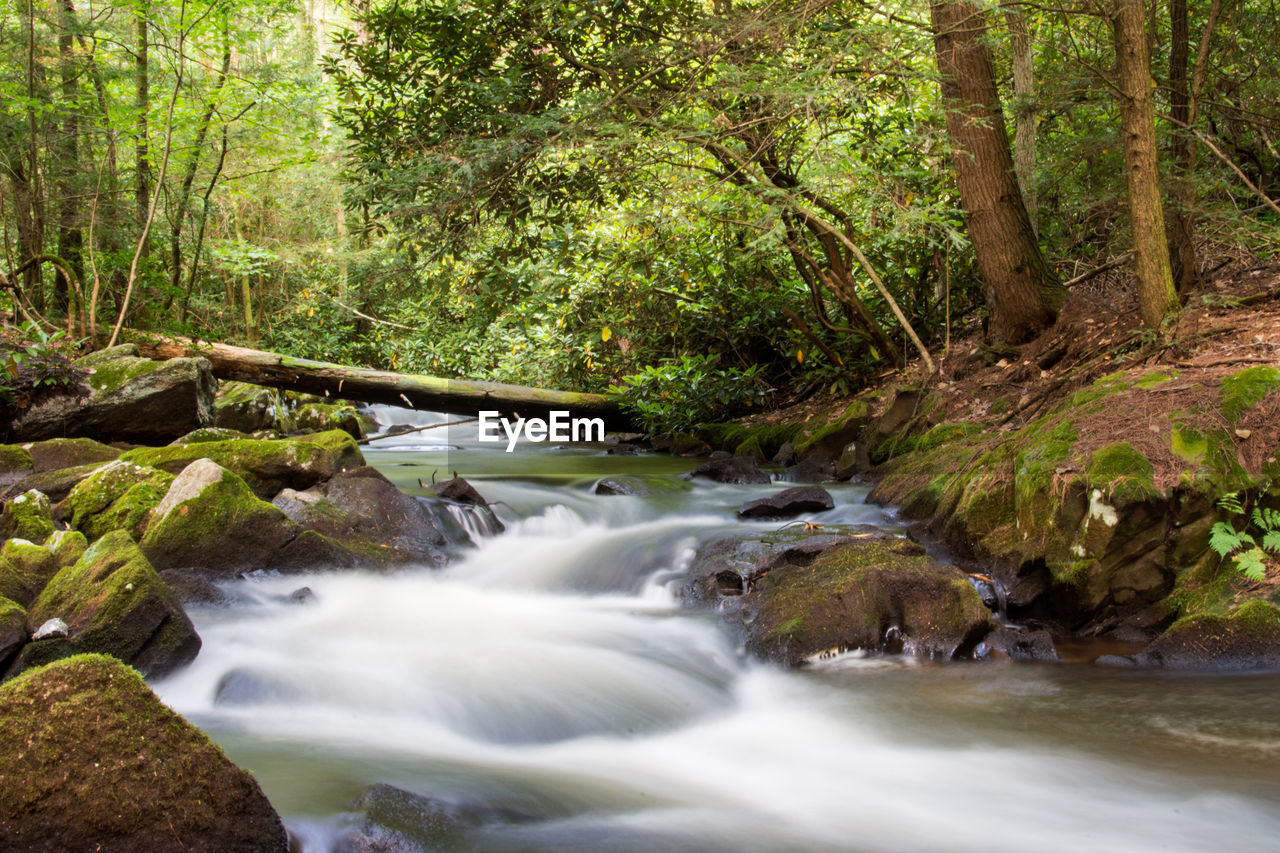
[432, 393]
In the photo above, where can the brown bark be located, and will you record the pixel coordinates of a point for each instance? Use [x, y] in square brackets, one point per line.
[142, 177]
[1025, 112]
[1156, 295]
[67, 163]
[1023, 294]
[338, 381]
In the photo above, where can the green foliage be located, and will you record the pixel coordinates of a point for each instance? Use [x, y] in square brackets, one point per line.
[1247, 553]
[681, 393]
[33, 364]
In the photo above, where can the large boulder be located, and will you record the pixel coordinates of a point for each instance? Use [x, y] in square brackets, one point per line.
[725, 569]
[94, 761]
[15, 464]
[359, 517]
[27, 516]
[209, 519]
[1247, 637]
[114, 603]
[127, 399]
[320, 417]
[267, 465]
[55, 484]
[248, 408]
[58, 453]
[789, 503]
[118, 496]
[876, 593]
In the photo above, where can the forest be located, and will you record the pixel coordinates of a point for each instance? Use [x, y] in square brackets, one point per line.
[699, 202]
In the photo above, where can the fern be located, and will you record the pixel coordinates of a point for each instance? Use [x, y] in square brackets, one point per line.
[1224, 538]
[1251, 565]
[1231, 504]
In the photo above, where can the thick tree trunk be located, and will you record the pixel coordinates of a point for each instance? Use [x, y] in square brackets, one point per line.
[1156, 295]
[457, 396]
[1025, 111]
[1023, 294]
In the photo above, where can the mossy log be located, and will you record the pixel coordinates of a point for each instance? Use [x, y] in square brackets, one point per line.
[455, 396]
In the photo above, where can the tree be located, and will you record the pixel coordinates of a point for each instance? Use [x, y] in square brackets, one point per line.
[1157, 298]
[1023, 293]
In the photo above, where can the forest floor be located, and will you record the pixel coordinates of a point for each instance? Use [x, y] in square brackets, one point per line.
[1231, 323]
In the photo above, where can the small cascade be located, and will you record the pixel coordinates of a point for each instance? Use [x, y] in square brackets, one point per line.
[479, 522]
[993, 594]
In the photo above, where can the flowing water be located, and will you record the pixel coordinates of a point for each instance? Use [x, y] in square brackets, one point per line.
[548, 684]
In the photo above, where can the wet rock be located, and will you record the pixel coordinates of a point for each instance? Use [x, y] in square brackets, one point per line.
[191, 586]
[740, 470]
[811, 470]
[109, 767]
[688, 445]
[248, 686]
[118, 496]
[266, 465]
[302, 595]
[853, 460]
[58, 453]
[396, 820]
[318, 417]
[27, 516]
[623, 450]
[116, 604]
[459, 491]
[1247, 637]
[1034, 646]
[639, 486]
[789, 503]
[785, 456]
[209, 519]
[824, 439]
[128, 399]
[858, 595]
[729, 567]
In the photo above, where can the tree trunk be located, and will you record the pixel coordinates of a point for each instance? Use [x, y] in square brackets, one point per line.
[1025, 112]
[337, 381]
[67, 163]
[142, 185]
[1023, 294]
[28, 188]
[1156, 296]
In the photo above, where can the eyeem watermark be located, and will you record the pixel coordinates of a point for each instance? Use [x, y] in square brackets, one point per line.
[558, 427]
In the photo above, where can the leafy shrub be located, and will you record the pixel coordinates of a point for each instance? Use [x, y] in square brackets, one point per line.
[33, 366]
[676, 395]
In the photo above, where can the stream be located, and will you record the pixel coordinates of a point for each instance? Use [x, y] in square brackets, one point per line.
[548, 685]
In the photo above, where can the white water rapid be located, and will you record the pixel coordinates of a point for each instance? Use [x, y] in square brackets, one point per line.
[549, 686]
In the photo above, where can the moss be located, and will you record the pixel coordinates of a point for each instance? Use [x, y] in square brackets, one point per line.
[317, 417]
[27, 516]
[15, 460]
[57, 453]
[1189, 444]
[1122, 473]
[1243, 390]
[1103, 387]
[1156, 378]
[118, 497]
[812, 435]
[205, 434]
[112, 374]
[106, 354]
[25, 569]
[68, 546]
[266, 465]
[751, 447]
[104, 764]
[116, 604]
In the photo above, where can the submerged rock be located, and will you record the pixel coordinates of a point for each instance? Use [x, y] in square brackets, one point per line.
[115, 603]
[96, 762]
[740, 470]
[1032, 646]
[789, 503]
[394, 820]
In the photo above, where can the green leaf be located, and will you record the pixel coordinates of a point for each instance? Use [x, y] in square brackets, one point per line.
[1251, 565]
[1223, 538]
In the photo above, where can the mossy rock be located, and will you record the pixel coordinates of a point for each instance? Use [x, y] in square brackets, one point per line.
[27, 516]
[25, 569]
[868, 594]
[106, 354]
[56, 484]
[828, 437]
[13, 630]
[206, 434]
[67, 546]
[15, 464]
[1247, 637]
[58, 453]
[1242, 391]
[318, 417]
[210, 519]
[249, 408]
[266, 465]
[1122, 474]
[115, 603]
[119, 496]
[95, 761]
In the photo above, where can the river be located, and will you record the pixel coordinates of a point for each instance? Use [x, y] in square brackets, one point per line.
[548, 685]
